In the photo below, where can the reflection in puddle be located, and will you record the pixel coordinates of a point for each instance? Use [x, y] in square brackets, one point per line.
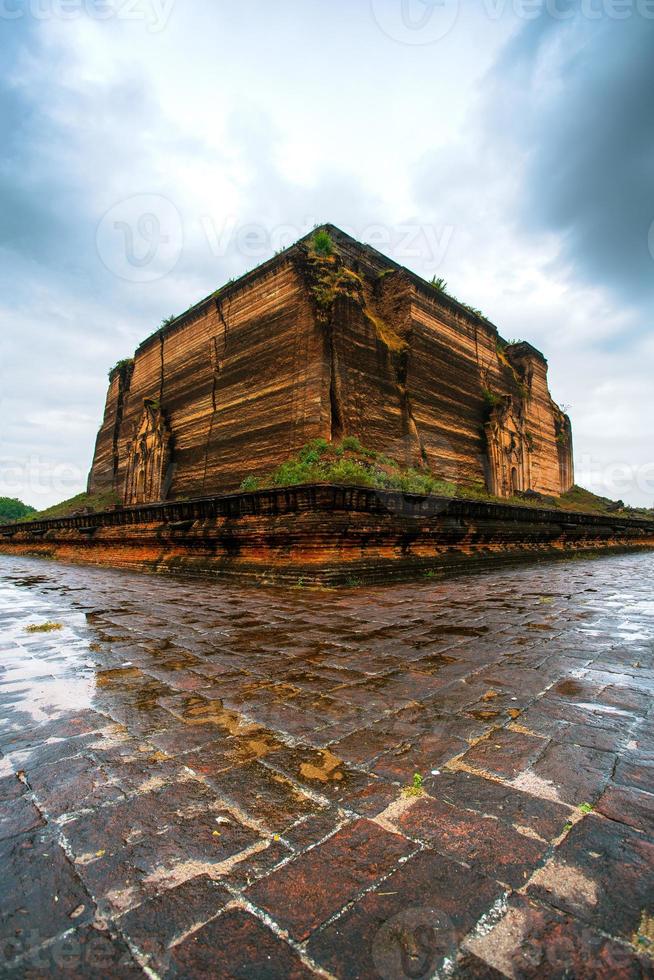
[44, 674]
[605, 709]
[187, 663]
[176, 727]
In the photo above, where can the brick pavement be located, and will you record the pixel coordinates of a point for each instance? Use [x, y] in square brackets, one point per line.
[208, 780]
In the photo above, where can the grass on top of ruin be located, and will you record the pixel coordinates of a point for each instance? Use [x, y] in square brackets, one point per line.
[349, 462]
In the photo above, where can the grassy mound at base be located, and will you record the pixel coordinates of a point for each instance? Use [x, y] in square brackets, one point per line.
[93, 502]
[351, 463]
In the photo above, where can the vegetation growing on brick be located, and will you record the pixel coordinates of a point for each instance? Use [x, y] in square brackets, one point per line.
[492, 398]
[322, 243]
[351, 463]
[331, 279]
[121, 367]
[43, 627]
[441, 286]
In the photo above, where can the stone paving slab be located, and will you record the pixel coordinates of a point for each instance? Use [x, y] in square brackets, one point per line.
[452, 778]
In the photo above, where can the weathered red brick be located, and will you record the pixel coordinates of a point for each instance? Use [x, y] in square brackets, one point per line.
[158, 922]
[577, 774]
[504, 753]
[18, 816]
[302, 894]
[39, 892]
[486, 844]
[493, 798]
[238, 946]
[602, 873]
[533, 941]
[354, 947]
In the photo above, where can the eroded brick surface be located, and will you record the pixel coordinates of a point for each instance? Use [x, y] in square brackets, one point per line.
[487, 844]
[601, 873]
[357, 945]
[533, 940]
[240, 946]
[18, 816]
[504, 753]
[629, 806]
[200, 779]
[40, 894]
[305, 893]
[169, 916]
[88, 953]
[495, 798]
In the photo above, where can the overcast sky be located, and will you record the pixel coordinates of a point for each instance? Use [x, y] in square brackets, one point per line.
[152, 149]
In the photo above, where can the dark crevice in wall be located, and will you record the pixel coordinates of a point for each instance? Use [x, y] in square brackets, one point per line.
[216, 371]
[124, 381]
[161, 371]
[409, 424]
[219, 309]
[216, 366]
[335, 404]
[387, 308]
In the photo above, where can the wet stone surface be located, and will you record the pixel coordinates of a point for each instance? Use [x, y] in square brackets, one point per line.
[200, 779]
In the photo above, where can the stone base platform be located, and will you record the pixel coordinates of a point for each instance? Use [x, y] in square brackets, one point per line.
[322, 534]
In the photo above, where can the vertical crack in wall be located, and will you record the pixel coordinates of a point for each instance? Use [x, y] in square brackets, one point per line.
[335, 399]
[161, 367]
[216, 369]
[124, 381]
[393, 327]
[215, 372]
[219, 309]
[409, 425]
[167, 476]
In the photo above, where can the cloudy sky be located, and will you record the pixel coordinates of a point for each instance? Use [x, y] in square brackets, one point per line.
[152, 149]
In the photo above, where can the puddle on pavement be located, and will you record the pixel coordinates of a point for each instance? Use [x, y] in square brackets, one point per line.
[605, 709]
[117, 677]
[45, 675]
[115, 657]
[569, 687]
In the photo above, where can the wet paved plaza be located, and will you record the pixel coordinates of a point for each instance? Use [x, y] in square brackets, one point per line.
[204, 780]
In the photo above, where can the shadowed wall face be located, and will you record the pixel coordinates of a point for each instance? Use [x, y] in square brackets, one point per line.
[330, 345]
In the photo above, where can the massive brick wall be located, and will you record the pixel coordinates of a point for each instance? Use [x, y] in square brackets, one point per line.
[239, 380]
[343, 344]
[422, 378]
[102, 475]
